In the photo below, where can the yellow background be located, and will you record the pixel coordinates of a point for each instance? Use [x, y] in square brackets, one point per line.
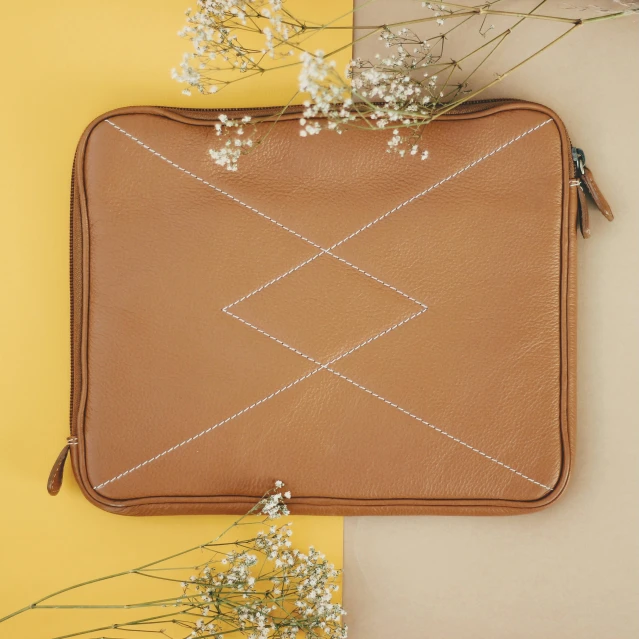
[63, 64]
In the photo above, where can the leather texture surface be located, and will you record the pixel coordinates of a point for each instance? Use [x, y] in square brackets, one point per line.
[386, 335]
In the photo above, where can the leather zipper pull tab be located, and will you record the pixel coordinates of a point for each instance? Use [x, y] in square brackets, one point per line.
[585, 178]
[584, 215]
[601, 202]
[55, 476]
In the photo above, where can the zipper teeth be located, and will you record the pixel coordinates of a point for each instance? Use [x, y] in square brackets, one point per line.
[275, 108]
[71, 298]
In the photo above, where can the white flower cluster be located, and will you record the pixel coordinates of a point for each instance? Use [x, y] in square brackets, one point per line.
[399, 89]
[437, 9]
[215, 29]
[229, 154]
[397, 92]
[329, 97]
[264, 588]
[273, 505]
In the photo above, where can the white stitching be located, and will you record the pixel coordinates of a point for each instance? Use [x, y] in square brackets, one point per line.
[320, 367]
[208, 430]
[212, 186]
[439, 430]
[383, 399]
[313, 258]
[424, 307]
[434, 186]
[326, 366]
[266, 217]
[379, 219]
[393, 288]
[277, 279]
[264, 399]
[279, 341]
[352, 350]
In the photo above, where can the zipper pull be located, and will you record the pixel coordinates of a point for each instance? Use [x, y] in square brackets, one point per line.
[585, 178]
[55, 476]
[584, 215]
[596, 194]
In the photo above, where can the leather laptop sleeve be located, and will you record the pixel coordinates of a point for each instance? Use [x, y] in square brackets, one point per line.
[386, 335]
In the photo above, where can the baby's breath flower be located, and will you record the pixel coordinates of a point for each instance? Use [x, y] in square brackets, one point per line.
[383, 91]
[307, 581]
[212, 29]
[398, 91]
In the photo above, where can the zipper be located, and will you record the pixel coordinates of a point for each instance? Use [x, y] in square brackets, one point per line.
[584, 181]
[580, 177]
[54, 482]
[71, 294]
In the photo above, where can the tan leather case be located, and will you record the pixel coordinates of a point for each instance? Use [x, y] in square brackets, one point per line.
[385, 335]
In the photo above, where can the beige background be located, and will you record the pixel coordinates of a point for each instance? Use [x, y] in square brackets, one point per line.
[571, 571]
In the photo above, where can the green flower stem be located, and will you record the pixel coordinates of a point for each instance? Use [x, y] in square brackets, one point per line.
[154, 619]
[37, 603]
[499, 78]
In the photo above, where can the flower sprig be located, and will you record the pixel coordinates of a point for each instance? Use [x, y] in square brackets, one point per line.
[256, 586]
[220, 33]
[399, 92]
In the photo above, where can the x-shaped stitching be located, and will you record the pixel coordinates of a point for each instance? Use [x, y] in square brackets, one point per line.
[326, 366]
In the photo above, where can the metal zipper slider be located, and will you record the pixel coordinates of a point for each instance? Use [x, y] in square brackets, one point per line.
[585, 178]
[55, 476]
